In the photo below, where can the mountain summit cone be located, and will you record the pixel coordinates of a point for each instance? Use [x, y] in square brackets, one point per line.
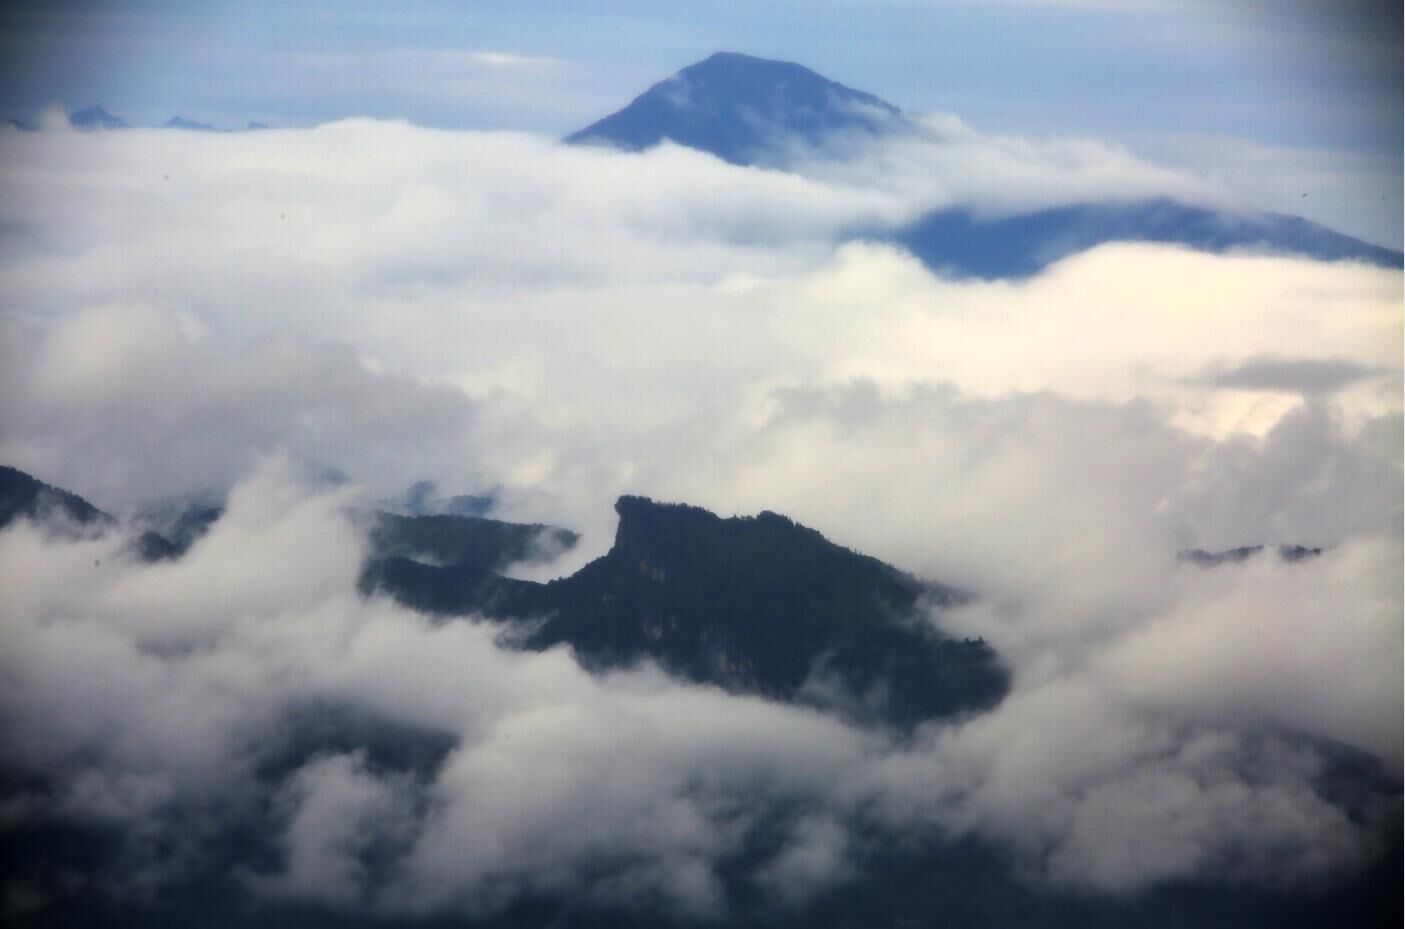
[744, 110]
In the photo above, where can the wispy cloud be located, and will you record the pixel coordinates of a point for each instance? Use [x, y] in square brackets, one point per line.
[509, 60]
[1293, 375]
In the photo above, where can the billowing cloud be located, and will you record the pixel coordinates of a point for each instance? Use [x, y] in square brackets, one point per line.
[146, 695]
[499, 313]
[134, 695]
[944, 162]
[605, 296]
[115, 377]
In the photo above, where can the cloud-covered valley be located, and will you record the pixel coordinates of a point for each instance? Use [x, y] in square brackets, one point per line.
[554, 326]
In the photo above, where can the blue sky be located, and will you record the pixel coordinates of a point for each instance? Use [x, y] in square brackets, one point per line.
[1298, 72]
[1187, 81]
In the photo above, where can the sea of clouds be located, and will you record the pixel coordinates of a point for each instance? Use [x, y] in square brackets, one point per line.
[192, 313]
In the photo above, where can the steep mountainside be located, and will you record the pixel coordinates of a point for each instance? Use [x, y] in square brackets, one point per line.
[22, 496]
[756, 604]
[26, 497]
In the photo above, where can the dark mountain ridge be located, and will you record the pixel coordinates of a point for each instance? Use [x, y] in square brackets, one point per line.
[1209, 559]
[180, 122]
[26, 497]
[92, 118]
[167, 529]
[757, 604]
[66, 514]
[698, 592]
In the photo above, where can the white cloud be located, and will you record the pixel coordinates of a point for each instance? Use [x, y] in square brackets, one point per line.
[633, 788]
[562, 325]
[654, 776]
[594, 298]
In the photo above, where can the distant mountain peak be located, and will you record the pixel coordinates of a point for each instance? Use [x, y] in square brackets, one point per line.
[180, 122]
[95, 117]
[744, 110]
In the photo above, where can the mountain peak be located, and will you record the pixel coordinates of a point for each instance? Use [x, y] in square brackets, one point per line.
[180, 122]
[632, 508]
[95, 117]
[680, 530]
[759, 604]
[737, 63]
[743, 109]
